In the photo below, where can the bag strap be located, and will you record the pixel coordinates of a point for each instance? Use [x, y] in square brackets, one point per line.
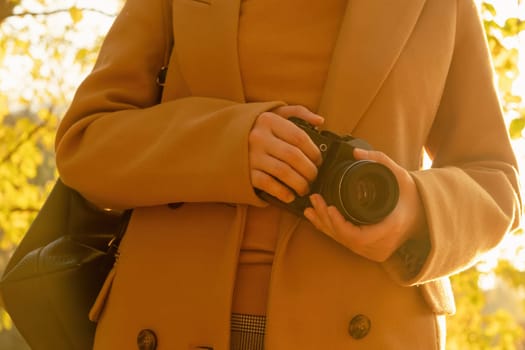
[113, 245]
[167, 23]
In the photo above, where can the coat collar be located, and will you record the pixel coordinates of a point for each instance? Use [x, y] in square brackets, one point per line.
[371, 38]
[205, 42]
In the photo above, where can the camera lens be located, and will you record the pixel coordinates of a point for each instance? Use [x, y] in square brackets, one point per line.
[363, 191]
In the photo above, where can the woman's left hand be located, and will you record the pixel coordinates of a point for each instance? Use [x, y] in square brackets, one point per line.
[377, 241]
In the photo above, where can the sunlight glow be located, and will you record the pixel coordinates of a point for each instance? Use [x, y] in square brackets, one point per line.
[46, 39]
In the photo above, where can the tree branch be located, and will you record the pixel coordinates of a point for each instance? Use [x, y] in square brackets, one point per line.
[21, 142]
[57, 11]
[53, 12]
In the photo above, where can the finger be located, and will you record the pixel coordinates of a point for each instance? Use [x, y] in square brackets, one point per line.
[312, 216]
[355, 235]
[294, 157]
[270, 185]
[346, 230]
[283, 172]
[278, 158]
[382, 158]
[320, 207]
[294, 135]
[286, 131]
[367, 241]
[376, 156]
[300, 112]
[361, 240]
[331, 222]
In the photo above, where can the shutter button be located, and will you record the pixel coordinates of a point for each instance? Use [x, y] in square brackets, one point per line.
[147, 340]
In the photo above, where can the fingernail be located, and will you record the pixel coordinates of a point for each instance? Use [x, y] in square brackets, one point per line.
[307, 213]
[332, 210]
[289, 198]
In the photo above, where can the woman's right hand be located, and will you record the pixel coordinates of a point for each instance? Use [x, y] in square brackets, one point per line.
[282, 156]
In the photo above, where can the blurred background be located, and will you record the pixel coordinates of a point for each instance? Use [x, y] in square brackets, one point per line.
[48, 46]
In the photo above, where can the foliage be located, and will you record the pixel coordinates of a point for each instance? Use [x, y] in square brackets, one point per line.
[503, 43]
[21, 173]
[473, 327]
[47, 42]
[50, 65]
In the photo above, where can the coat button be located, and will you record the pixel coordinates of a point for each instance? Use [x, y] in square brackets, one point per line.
[359, 326]
[147, 340]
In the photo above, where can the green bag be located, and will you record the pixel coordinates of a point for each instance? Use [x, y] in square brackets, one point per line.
[56, 272]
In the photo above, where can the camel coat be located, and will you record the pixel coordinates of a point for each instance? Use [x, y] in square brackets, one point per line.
[406, 75]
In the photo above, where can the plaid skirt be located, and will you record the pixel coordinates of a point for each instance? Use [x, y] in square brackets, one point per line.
[247, 332]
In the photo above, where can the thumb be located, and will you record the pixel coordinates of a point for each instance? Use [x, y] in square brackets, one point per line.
[376, 156]
[365, 154]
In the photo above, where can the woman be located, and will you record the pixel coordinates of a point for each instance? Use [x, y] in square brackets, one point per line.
[206, 263]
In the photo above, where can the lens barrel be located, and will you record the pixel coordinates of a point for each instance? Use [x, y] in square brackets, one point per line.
[364, 191]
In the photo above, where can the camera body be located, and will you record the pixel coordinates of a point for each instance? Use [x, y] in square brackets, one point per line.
[363, 191]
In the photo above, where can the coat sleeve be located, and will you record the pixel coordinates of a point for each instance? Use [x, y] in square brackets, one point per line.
[471, 194]
[120, 148]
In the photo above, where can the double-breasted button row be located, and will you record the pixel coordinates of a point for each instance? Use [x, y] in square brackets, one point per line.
[359, 326]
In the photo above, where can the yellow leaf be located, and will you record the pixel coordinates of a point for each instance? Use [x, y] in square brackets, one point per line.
[76, 14]
[82, 55]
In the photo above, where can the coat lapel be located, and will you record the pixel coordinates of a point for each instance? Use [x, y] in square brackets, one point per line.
[371, 38]
[206, 47]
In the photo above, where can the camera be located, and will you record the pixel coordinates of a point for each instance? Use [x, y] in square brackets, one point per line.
[363, 191]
